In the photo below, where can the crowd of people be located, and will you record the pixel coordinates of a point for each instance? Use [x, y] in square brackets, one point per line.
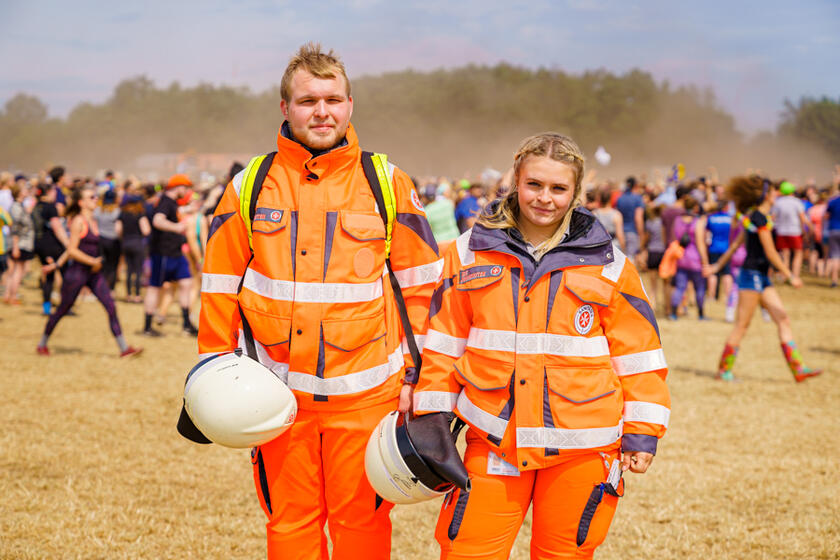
[79, 236]
[675, 231]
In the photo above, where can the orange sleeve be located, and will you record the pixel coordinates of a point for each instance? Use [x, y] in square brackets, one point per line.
[225, 261]
[449, 322]
[638, 359]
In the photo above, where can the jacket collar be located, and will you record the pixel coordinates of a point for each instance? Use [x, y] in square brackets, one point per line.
[346, 152]
[587, 243]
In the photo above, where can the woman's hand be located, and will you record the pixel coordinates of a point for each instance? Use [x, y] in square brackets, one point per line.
[406, 395]
[97, 265]
[636, 461]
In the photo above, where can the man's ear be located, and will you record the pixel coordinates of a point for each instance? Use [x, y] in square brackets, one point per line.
[284, 108]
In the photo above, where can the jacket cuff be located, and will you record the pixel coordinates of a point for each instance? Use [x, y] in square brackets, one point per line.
[411, 376]
[639, 442]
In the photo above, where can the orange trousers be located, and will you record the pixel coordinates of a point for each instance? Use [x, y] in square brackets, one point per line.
[484, 522]
[314, 473]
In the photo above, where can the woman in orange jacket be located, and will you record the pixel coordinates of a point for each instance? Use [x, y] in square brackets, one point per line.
[542, 340]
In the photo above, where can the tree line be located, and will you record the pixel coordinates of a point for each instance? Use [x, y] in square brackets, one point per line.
[454, 121]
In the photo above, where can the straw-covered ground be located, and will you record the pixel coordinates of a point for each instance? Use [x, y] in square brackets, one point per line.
[91, 465]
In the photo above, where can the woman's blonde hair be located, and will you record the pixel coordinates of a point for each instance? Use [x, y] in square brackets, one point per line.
[553, 146]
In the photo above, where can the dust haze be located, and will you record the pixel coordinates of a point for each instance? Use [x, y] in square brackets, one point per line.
[451, 123]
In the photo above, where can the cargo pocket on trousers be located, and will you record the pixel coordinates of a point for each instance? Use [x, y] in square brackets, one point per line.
[591, 507]
[261, 479]
[458, 514]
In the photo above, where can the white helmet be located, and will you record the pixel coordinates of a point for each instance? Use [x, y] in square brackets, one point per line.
[395, 469]
[237, 402]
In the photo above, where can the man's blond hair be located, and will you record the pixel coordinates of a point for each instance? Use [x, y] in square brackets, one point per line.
[321, 65]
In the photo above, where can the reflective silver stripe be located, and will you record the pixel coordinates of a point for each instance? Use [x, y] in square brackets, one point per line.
[463, 245]
[311, 292]
[613, 270]
[391, 168]
[419, 340]
[341, 385]
[435, 401]
[237, 181]
[350, 382]
[641, 362]
[219, 283]
[641, 411]
[538, 343]
[445, 344]
[419, 275]
[280, 369]
[560, 438]
[481, 419]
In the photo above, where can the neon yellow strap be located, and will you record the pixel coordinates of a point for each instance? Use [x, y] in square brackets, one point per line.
[245, 193]
[380, 163]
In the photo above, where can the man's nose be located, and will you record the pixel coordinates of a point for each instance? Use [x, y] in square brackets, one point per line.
[321, 108]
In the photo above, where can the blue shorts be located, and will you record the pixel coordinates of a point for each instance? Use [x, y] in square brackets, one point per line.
[168, 269]
[753, 280]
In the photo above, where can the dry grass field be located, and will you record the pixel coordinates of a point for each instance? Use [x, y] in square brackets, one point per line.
[91, 465]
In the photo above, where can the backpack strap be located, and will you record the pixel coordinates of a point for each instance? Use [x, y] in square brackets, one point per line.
[249, 192]
[253, 176]
[376, 171]
[375, 167]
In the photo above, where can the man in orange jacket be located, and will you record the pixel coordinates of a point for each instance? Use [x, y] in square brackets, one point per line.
[310, 287]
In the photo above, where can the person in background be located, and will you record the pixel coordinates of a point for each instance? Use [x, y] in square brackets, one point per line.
[168, 261]
[50, 239]
[611, 219]
[831, 218]
[817, 254]
[790, 219]
[106, 217]
[690, 229]
[440, 213]
[195, 233]
[632, 209]
[718, 224]
[22, 235]
[133, 227]
[5, 222]
[63, 183]
[84, 269]
[673, 211]
[754, 197]
[654, 246]
[470, 206]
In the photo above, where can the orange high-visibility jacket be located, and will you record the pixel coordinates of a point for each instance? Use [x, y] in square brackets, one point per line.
[545, 359]
[316, 292]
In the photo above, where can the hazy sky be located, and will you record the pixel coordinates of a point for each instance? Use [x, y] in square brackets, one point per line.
[753, 54]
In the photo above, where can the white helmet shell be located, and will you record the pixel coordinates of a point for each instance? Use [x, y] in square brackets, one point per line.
[237, 402]
[387, 471]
